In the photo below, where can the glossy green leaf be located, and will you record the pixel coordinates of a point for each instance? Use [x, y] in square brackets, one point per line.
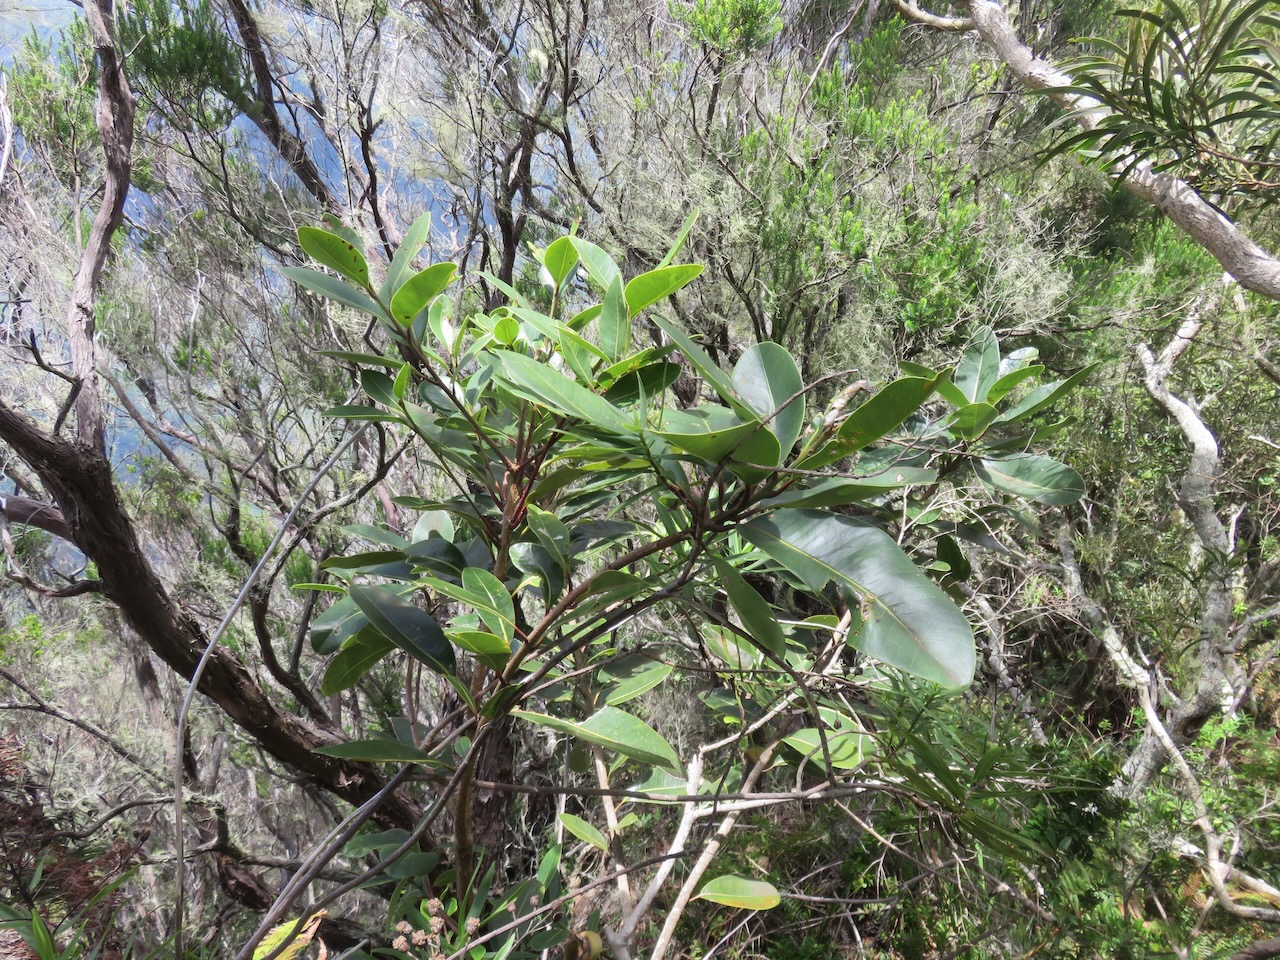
[584, 831]
[768, 381]
[848, 749]
[332, 288]
[1014, 361]
[491, 649]
[615, 322]
[681, 236]
[598, 264]
[918, 370]
[732, 650]
[561, 394]
[353, 357]
[1033, 478]
[648, 288]
[356, 412]
[377, 751]
[1007, 382]
[971, 420]
[908, 621]
[1045, 396]
[618, 731]
[1027, 438]
[336, 625]
[507, 330]
[357, 657]
[379, 387]
[714, 433]
[979, 368]
[625, 685]
[705, 366]
[731, 891]
[882, 413]
[412, 630]
[336, 253]
[419, 290]
[362, 561]
[551, 533]
[532, 559]
[437, 522]
[42, 939]
[402, 262]
[560, 258]
[578, 354]
[837, 491]
[952, 394]
[492, 601]
[649, 381]
[758, 618]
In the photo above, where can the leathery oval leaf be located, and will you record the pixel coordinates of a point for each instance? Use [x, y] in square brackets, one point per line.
[616, 730]
[908, 622]
[740, 892]
[648, 288]
[769, 382]
[357, 657]
[560, 258]
[563, 395]
[584, 831]
[419, 290]
[1032, 477]
[335, 252]
[412, 630]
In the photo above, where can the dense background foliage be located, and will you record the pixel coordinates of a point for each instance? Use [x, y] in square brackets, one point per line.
[612, 588]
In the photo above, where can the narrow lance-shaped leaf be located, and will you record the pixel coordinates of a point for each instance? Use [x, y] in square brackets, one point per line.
[402, 262]
[492, 602]
[598, 264]
[584, 831]
[706, 367]
[908, 621]
[1044, 396]
[615, 322]
[648, 288]
[377, 751]
[333, 289]
[876, 418]
[757, 616]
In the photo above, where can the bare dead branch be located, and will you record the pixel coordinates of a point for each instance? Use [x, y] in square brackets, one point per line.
[33, 513]
[949, 24]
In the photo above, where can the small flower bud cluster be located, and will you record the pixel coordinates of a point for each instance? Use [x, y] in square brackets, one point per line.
[427, 943]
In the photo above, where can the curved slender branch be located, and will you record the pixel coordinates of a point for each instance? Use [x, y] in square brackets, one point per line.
[33, 513]
[1253, 267]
